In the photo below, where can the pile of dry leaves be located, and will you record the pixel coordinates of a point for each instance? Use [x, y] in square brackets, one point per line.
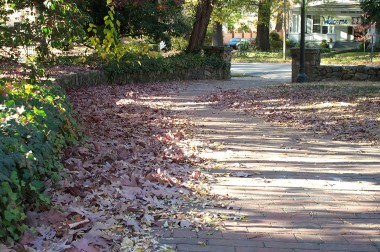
[346, 110]
[138, 168]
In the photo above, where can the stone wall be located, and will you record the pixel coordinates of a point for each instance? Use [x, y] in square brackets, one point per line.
[357, 73]
[312, 59]
[98, 77]
[317, 72]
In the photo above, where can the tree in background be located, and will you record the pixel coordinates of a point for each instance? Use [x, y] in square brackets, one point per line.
[227, 13]
[231, 11]
[372, 10]
[201, 22]
[155, 20]
[263, 25]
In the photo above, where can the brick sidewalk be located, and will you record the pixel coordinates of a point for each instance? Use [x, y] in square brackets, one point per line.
[305, 192]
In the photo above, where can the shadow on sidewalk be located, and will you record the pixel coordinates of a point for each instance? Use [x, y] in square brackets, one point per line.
[298, 191]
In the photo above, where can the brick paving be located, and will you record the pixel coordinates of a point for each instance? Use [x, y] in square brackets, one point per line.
[306, 192]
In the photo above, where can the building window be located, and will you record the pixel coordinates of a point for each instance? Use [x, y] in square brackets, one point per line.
[325, 29]
[350, 30]
[295, 23]
[309, 24]
[313, 24]
[316, 24]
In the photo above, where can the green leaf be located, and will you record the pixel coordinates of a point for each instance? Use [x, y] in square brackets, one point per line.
[10, 103]
[22, 228]
[14, 178]
[8, 215]
[44, 198]
[28, 88]
[39, 112]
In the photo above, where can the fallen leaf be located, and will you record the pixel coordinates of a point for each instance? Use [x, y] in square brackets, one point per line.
[240, 174]
[76, 224]
[185, 224]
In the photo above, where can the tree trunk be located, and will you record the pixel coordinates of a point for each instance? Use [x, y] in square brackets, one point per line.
[263, 25]
[217, 35]
[202, 19]
[279, 20]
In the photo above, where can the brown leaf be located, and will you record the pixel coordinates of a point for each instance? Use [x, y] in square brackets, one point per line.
[78, 223]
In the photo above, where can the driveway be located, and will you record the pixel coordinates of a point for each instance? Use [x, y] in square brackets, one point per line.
[280, 71]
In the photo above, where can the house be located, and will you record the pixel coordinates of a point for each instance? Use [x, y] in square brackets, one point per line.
[16, 17]
[337, 22]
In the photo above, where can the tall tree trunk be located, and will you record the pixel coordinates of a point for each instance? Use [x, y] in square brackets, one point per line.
[279, 20]
[202, 19]
[217, 34]
[263, 25]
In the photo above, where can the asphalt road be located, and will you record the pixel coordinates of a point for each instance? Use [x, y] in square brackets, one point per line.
[281, 71]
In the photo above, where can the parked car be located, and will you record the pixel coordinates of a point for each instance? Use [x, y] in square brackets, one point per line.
[236, 42]
[252, 41]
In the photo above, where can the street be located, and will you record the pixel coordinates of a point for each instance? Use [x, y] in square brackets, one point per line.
[281, 71]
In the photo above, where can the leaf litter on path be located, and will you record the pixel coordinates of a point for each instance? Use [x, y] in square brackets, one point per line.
[138, 169]
[348, 111]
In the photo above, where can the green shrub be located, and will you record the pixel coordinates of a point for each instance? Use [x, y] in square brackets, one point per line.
[291, 43]
[275, 41]
[35, 124]
[179, 43]
[244, 47]
[324, 44]
[132, 63]
[274, 36]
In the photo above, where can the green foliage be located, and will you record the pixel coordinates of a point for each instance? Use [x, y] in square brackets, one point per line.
[291, 43]
[133, 63]
[35, 124]
[109, 46]
[274, 36]
[230, 13]
[51, 24]
[154, 20]
[324, 44]
[179, 43]
[371, 8]
[244, 47]
[275, 41]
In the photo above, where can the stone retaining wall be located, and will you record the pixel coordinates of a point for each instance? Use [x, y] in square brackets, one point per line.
[98, 77]
[357, 73]
[317, 72]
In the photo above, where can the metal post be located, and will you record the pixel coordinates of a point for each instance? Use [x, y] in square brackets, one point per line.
[301, 74]
[372, 46]
[284, 32]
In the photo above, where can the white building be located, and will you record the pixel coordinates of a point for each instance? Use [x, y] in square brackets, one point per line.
[16, 17]
[331, 21]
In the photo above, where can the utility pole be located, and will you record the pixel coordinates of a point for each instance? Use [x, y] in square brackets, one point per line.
[284, 32]
[301, 74]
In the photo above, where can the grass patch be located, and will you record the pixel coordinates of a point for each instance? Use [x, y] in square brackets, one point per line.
[256, 56]
[327, 58]
[350, 58]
